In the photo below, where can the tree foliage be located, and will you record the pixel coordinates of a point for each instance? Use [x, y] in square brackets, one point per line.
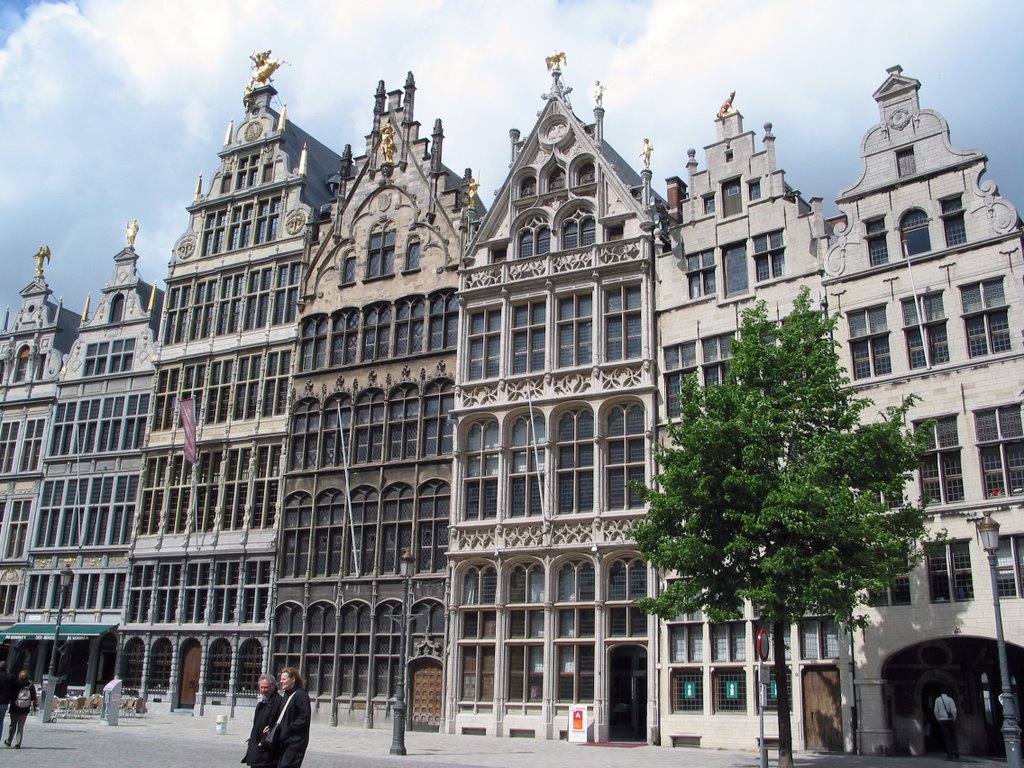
[773, 488]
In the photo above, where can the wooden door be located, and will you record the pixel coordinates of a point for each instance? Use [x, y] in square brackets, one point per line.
[191, 659]
[426, 697]
[823, 728]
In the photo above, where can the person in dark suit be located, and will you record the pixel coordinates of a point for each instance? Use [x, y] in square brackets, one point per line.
[295, 722]
[267, 709]
[6, 690]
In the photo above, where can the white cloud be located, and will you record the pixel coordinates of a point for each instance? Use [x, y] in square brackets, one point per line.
[111, 108]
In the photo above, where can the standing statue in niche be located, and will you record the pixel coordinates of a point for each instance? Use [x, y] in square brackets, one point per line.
[646, 152]
[387, 143]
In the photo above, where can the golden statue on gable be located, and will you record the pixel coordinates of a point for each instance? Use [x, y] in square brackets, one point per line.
[42, 255]
[555, 61]
[387, 143]
[472, 186]
[726, 109]
[263, 68]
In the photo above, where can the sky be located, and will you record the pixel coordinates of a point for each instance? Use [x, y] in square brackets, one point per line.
[110, 109]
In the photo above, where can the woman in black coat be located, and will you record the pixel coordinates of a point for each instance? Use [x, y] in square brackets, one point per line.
[295, 724]
[267, 710]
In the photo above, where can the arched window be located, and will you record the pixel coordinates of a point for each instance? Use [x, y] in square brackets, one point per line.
[336, 435]
[575, 631]
[585, 173]
[160, 656]
[305, 432]
[556, 180]
[526, 584]
[438, 401]
[376, 332]
[428, 618]
[369, 427]
[21, 366]
[627, 582]
[403, 423]
[534, 242]
[250, 664]
[432, 511]
[412, 255]
[528, 187]
[625, 456]
[479, 585]
[354, 654]
[578, 230]
[314, 343]
[526, 473]
[914, 232]
[348, 270]
[364, 529]
[295, 535]
[134, 655]
[116, 314]
[218, 670]
[380, 256]
[524, 639]
[396, 526]
[575, 476]
[319, 661]
[481, 472]
[288, 637]
[444, 320]
[344, 336]
[388, 651]
[409, 316]
[329, 534]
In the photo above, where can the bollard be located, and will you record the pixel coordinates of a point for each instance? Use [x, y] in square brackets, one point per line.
[222, 724]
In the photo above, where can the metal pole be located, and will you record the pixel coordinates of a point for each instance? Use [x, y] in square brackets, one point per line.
[398, 732]
[56, 630]
[1010, 729]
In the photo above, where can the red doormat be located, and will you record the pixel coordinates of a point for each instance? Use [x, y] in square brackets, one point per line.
[623, 744]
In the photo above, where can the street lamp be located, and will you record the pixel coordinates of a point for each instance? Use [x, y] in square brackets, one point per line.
[66, 575]
[398, 734]
[988, 530]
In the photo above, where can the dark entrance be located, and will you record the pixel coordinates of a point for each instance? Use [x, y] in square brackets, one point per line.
[188, 681]
[627, 693]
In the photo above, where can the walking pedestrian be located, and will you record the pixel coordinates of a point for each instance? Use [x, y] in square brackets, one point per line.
[6, 690]
[267, 709]
[21, 704]
[295, 719]
[944, 710]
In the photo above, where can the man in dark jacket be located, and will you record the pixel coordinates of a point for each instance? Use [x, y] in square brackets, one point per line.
[267, 710]
[295, 723]
[6, 690]
[23, 701]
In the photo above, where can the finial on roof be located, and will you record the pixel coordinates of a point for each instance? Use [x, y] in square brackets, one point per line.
[85, 309]
[895, 70]
[282, 119]
[42, 255]
[230, 132]
[152, 299]
[263, 69]
[199, 188]
[303, 161]
[554, 63]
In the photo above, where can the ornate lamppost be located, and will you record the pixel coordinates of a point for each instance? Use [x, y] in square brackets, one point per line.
[988, 530]
[50, 682]
[398, 734]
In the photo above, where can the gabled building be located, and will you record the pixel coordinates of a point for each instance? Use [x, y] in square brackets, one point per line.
[555, 410]
[368, 473]
[33, 348]
[197, 621]
[91, 467]
[741, 234]
[925, 269]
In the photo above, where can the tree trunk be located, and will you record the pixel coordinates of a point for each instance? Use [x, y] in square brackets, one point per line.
[781, 674]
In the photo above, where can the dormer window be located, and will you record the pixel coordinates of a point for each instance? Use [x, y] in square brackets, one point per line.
[732, 200]
[21, 365]
[556, 180]
[914, 232]
[116, 309]
[528, 187]
[585, 174]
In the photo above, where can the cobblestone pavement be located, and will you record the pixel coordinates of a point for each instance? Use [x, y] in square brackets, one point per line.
[173, 741]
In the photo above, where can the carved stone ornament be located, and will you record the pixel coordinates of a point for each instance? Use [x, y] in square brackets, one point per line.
[253, 130]
[186, 246]
[383, 201]
[899, 119]
[295, 222]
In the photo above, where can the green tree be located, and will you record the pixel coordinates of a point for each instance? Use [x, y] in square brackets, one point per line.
[771, 488]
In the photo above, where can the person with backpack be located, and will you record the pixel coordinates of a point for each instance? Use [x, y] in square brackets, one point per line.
[21, 704]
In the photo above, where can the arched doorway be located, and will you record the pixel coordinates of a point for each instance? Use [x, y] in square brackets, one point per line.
[425, 680]
[188, 677]
[627, 693]
[969, 668]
